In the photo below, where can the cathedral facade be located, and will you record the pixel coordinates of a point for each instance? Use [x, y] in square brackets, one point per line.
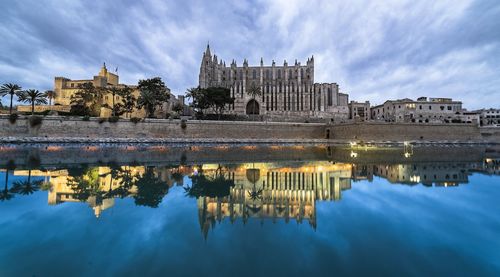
[288, 91]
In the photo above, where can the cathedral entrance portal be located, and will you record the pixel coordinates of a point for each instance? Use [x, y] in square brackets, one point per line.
[252, 107]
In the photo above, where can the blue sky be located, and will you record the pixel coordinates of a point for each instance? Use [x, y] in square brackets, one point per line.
[375, 50]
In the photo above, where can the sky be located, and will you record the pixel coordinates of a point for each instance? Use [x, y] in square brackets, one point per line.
[374, 50]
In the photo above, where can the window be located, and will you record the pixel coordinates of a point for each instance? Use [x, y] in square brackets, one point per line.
[267, 74]
[442, 108]
[430, 107]
[420, 107]
[279, 73]
[254, 74]
[449, 108]
[330, 97]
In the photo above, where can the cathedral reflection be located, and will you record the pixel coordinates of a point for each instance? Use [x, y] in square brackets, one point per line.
[266, 191]
[274, 191]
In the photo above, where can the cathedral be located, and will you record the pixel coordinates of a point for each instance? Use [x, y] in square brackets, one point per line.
[288, 91]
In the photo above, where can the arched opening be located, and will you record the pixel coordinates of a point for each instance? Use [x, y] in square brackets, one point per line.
[252, 107]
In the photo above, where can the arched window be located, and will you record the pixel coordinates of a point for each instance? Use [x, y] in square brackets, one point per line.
[267, 74]
[290, 74]
[241, 74]
[302, 73]
[254, 74]
[279, 73]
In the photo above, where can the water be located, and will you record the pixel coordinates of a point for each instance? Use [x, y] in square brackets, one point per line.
[96, 210]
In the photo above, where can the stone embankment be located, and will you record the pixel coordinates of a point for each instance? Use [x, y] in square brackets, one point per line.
[57, 129]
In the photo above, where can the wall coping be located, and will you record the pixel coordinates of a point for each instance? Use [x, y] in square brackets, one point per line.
[191, 121]
[401, 123]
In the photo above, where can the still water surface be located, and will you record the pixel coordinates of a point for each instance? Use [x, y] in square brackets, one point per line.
[249, 211]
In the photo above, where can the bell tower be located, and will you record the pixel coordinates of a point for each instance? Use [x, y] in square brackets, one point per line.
[205, 69]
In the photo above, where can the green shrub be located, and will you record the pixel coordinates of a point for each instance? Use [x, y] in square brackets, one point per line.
[13, 118]
[35, 120]
[183, 124]
[113, 119]
[135, 119]
[101, 120]
[86, 118]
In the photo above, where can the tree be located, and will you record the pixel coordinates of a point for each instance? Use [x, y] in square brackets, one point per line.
[147, 100]
[178, 108]
[254, 91]
[199, 100]
[215, 98]
[128, 100]
[153, 94]
[117, 109]
[87, 100]
[11, 89]
[50, 95]
[33, 96]
[219, 99]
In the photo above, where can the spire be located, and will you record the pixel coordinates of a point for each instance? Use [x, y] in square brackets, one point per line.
[261, 62]
[207, 51]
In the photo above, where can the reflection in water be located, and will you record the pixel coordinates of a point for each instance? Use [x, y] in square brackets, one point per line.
[285, 188]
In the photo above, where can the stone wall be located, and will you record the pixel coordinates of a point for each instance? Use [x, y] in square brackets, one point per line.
[75, 127]
[491, 134]
[381, 131]
[55, 126]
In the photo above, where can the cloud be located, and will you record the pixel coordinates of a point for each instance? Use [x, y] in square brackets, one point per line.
[373, 50]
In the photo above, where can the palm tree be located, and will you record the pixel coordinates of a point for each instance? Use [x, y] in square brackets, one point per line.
[50, 95]
[254, 91]
[114, 91]
[148, 101]
[33, 96]
[11, 89]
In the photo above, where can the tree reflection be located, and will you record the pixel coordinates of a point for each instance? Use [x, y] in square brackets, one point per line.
[150, 189]
[6, 194]
[26, 187]
[86, 185]
[218, 185]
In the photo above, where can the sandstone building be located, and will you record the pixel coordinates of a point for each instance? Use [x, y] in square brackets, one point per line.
[288, 91]
[65, 88]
